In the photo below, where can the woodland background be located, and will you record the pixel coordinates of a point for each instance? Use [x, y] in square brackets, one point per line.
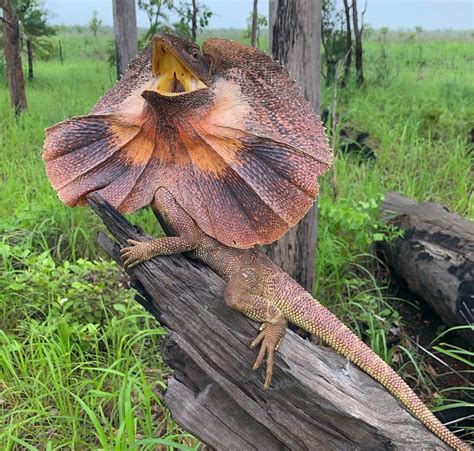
[79, 360]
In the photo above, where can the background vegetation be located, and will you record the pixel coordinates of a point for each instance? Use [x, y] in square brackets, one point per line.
[79, 360]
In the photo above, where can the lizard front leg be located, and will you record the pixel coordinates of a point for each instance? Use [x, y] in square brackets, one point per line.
[141, 251]
[176, 221]
[242, 294]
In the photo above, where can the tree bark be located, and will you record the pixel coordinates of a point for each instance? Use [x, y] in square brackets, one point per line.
[194, 22]
[29, 49]
[358, 45]
[434, 258]
[125, 32]
[253, 36]
[60, 52]
[348, 58]
[317, 400]
[295, 43]
[12, 50]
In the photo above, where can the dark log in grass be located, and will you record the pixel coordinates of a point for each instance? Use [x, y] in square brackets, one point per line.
[434, 258]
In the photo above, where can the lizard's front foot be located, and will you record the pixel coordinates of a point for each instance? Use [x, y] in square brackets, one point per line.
[138, 252]
[270, 338]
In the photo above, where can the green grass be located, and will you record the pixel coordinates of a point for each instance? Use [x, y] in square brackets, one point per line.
[79, 366]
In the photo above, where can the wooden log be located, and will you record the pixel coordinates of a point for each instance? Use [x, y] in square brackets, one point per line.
[317, 399]
[434, 258]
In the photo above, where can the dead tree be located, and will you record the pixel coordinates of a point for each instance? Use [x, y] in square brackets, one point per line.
[29, 52]
[253, 35]
[317, 400]
[348, 57]
[434, 258]
[125, 32]
[295, 43]
[358, 42]
[12, 49]
[194, 17]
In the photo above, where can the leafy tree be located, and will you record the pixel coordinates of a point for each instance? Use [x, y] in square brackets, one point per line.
[261, 21]
[194, 16]
[95, 23]
[34, 28]
[12, 52]
[333, 38]
[155, 12]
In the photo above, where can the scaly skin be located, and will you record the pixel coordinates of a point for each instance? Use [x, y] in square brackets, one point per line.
[260, 290]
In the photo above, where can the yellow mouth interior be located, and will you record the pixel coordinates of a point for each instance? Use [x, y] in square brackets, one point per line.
[170, 76]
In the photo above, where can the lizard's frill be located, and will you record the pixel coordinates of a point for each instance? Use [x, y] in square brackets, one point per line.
[113, 154]
[242, 169]
[235, 185]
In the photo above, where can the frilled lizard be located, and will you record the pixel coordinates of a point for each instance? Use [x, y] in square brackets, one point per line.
[227, 152]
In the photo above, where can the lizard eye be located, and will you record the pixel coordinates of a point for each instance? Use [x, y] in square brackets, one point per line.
[195, 54]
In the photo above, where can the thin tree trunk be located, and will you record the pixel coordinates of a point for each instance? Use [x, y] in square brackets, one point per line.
[61, 53]
[253, 37]
[12, 50]
[348, 58]
[29, 48]
[125, 31]
[194, 22]
[358, 44]
[295, 42]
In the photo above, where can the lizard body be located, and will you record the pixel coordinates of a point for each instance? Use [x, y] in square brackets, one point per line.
[260, 290]
[227, 152]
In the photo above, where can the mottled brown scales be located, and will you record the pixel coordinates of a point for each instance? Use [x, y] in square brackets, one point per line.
[227, 152]
[262, 291]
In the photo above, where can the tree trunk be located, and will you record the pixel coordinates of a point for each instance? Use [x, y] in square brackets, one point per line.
[348, 58]
[331, 66]
[295, 43]
[358, 44]
[253, 37]
[12, 49]
[125, 31]
[61, 52]
[194, 22]
[317, 400]
[434, 258]
[29, 49]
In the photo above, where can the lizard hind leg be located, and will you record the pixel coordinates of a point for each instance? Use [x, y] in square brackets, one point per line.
[269, 338]
[242, 294]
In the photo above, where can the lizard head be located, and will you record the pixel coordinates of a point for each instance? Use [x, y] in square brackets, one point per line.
[224, 130]
[178, 67]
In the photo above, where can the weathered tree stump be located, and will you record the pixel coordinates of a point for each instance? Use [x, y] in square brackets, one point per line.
[435, 257]
[317, 399]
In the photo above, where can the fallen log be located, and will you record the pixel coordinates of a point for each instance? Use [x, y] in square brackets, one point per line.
[434, 258]
[317, 399]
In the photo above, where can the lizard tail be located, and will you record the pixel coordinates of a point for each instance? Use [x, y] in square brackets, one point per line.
[310, 315]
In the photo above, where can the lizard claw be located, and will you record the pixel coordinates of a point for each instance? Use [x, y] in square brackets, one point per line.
[270, 338]
[137, 253]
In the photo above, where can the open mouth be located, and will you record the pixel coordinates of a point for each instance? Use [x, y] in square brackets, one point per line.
[171, 77]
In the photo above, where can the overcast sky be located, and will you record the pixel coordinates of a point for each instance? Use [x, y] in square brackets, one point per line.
[396, 14]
